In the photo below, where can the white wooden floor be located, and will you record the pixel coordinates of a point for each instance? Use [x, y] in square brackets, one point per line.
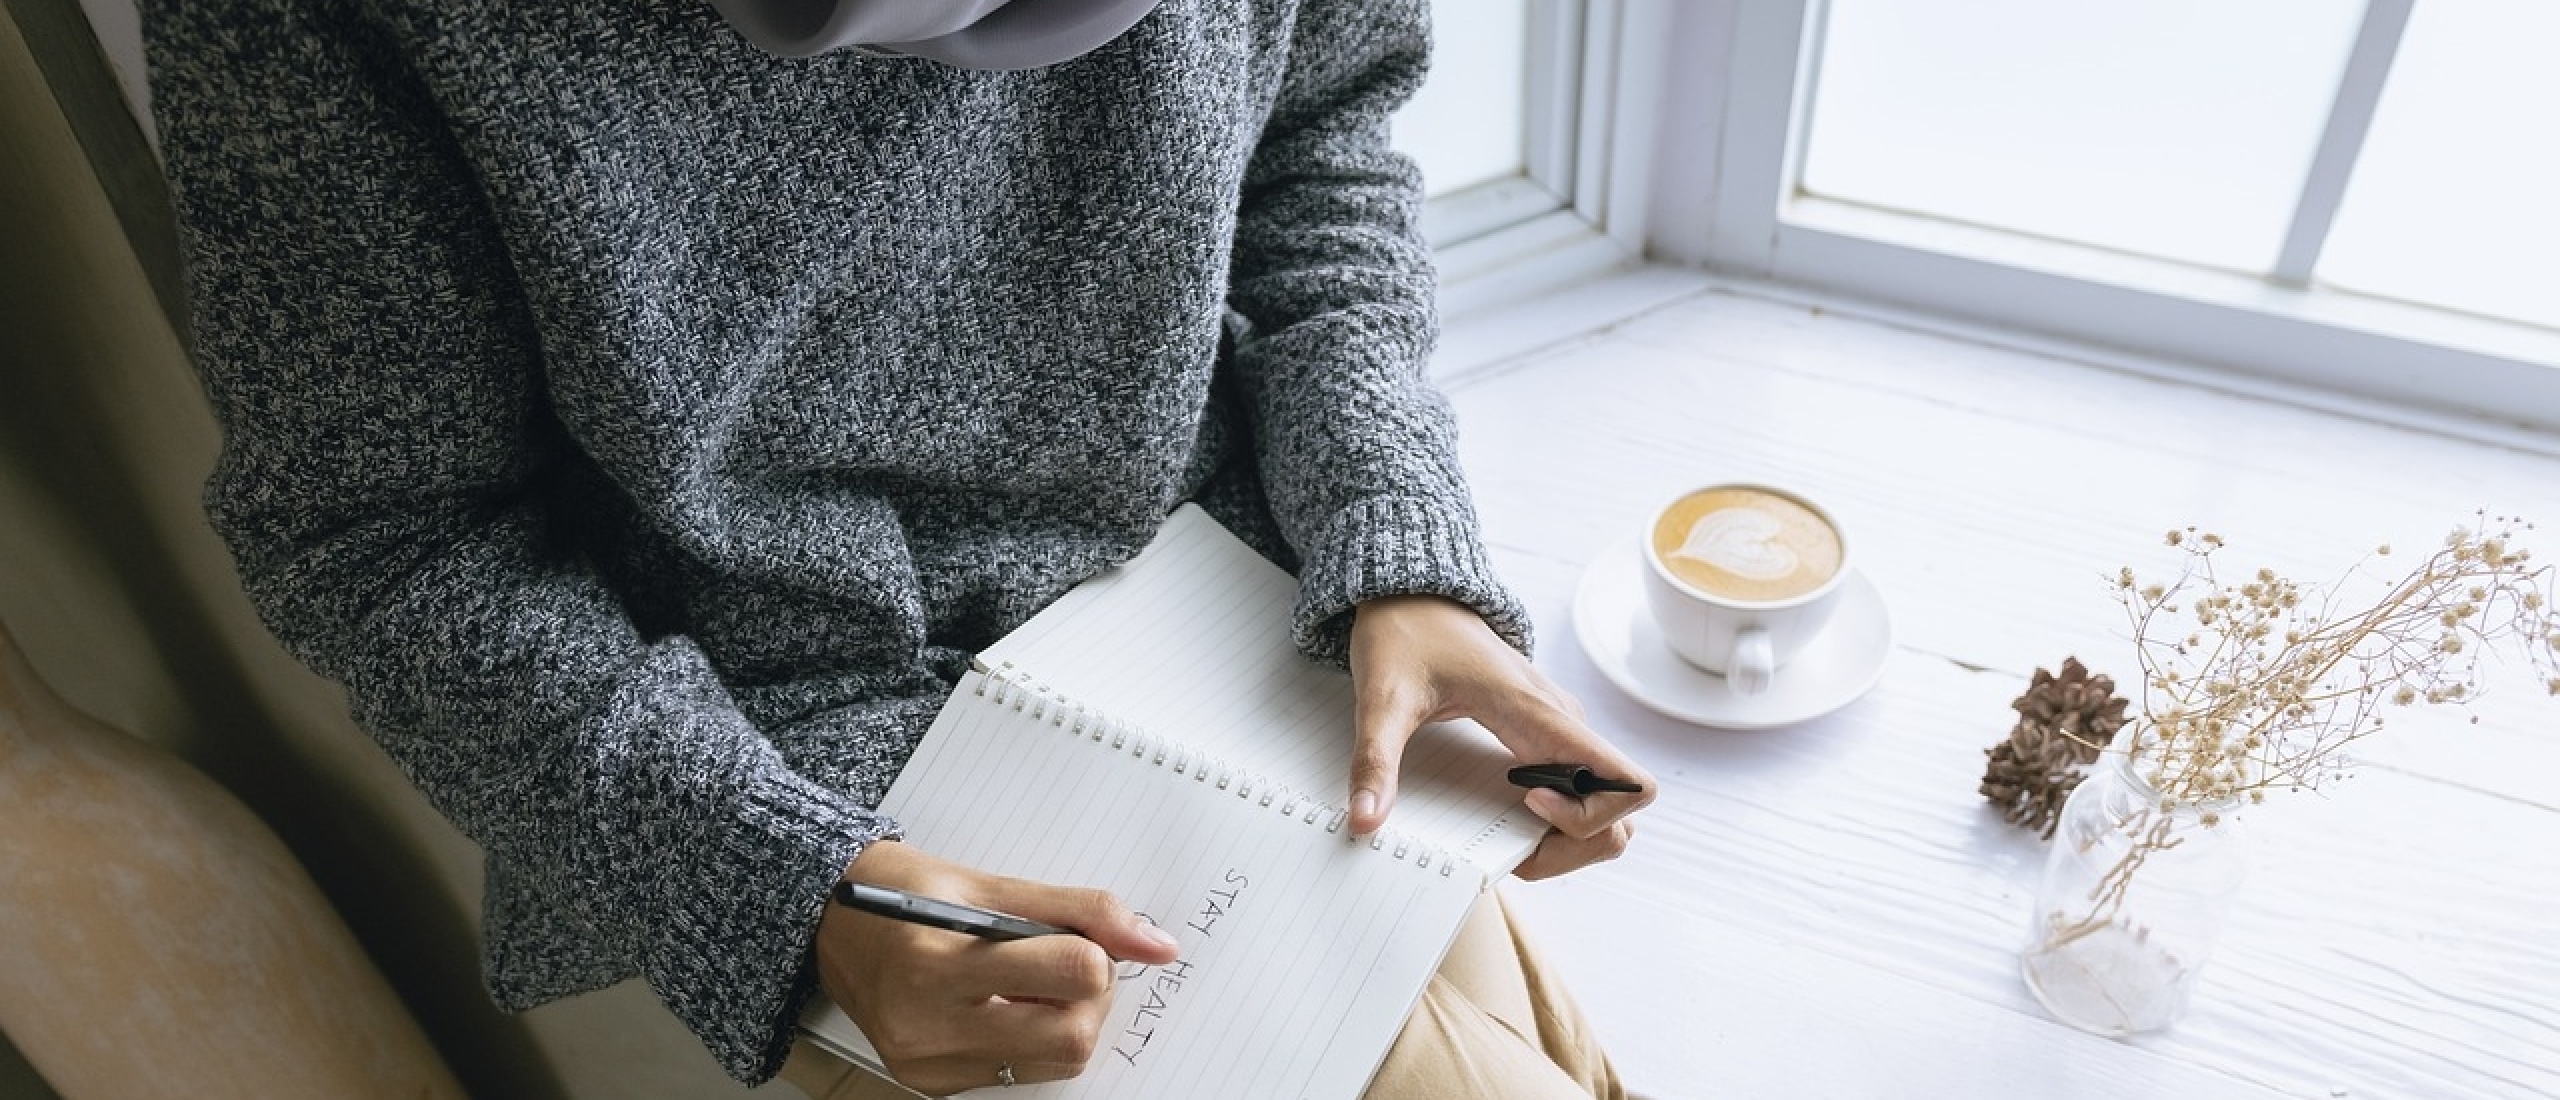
[1830, 910]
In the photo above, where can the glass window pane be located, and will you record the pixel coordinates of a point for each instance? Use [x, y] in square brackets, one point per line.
[1469, 122]
[2175, 128]
[2456, 201]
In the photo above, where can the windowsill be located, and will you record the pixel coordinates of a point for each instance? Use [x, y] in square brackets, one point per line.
[1510, 302]
[1838, 885]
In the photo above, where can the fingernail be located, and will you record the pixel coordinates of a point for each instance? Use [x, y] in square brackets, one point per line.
[1364, 804]
[1157, 936]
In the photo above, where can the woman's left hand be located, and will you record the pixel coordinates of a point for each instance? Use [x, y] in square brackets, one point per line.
[1418, 659]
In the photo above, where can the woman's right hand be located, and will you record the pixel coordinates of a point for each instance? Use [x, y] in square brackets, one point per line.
[947, 1011]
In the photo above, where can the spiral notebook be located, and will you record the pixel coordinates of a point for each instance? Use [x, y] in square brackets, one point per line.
[1154, 733]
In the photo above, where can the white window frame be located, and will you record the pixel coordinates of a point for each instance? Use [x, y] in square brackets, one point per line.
[1579, 208]
[1747, 72]
[1546, 182]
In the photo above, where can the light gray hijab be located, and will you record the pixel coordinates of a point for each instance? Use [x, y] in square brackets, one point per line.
[971, 34]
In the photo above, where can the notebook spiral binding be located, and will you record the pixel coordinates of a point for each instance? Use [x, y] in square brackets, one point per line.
[1005, 685]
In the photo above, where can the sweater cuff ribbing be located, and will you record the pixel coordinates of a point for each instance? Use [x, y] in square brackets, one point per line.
[758, 930]
[1397, 547]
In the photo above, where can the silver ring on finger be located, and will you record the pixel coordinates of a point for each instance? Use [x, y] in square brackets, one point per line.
[1004, 1074]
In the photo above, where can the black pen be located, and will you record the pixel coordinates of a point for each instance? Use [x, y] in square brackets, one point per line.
[1572, 779]
[986, 924]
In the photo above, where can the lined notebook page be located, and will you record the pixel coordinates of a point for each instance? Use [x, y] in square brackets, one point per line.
[1302, 951]
[1191, 640]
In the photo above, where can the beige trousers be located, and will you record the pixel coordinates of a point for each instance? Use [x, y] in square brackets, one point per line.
[1493, 1024]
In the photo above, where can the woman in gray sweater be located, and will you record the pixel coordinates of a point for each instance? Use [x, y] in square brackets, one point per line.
[645, 428]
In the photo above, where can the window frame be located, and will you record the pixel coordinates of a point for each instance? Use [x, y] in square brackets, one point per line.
[1545, 183]
[1752, 219]
[1581, 208]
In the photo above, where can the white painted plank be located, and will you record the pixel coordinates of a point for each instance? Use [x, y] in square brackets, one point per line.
[1830, 910]
[1491, 337]
[1990, 491]
[1729, 1014]
[2394, 942]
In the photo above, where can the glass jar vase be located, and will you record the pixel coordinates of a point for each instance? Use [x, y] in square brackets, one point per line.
[2136, 886]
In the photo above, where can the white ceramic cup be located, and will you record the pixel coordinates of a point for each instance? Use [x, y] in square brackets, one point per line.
[1744, 641]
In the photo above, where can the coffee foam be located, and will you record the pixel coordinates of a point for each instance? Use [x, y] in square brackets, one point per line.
[1746, 544]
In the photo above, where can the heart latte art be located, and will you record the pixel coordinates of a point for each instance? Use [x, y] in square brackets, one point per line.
[1741, 541]
[1746, 544]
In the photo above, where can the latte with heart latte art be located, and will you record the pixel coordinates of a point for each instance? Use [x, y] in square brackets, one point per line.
[1746, 544]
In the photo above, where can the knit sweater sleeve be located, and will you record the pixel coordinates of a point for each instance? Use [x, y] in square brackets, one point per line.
[378, 381]
[1357, 450]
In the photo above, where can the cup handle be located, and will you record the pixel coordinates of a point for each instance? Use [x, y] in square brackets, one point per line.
[1750, 668]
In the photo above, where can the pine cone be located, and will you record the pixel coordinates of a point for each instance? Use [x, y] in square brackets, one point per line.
[2062, 722]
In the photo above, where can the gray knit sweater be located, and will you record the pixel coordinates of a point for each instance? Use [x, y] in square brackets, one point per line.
[644, 429]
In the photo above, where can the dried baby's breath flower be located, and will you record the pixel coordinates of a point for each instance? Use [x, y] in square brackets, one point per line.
[2276, 678]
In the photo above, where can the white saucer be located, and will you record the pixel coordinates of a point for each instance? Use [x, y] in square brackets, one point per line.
[1617, 630]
